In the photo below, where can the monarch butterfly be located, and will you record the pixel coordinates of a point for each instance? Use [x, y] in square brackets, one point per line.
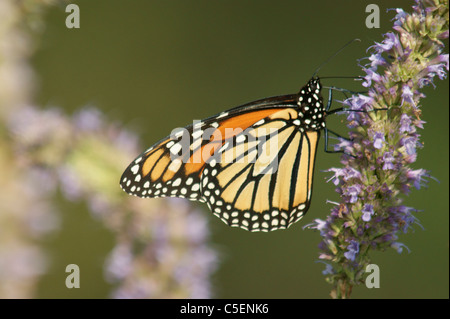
[253, 165]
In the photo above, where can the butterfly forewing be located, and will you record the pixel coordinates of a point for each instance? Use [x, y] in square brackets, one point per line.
[167, 169]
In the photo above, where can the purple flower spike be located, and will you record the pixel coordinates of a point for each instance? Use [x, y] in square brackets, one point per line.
[371, 214]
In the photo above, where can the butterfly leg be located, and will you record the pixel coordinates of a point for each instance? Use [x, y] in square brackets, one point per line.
[330, 98]
[345, 90]
[339, 136]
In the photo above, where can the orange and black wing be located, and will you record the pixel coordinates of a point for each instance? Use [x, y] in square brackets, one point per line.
[263, 180]
[253, 165]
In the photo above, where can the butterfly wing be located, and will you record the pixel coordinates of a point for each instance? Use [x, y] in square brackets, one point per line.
[263, 180]
[253, 165]
[173, 166]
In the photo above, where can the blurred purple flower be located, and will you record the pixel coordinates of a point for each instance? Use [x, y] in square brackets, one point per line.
[83, 156]
[88, 119]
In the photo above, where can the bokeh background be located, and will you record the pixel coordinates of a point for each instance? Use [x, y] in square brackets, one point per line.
[157, 65]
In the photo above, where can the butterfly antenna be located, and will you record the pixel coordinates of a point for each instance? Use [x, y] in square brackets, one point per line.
[336, 53]
[356, 77]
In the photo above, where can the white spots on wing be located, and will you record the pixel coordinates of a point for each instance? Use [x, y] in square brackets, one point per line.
[223, 114]
[205, 180]
[241, 138]
[224, 147]
[196, 144]
[175, 148]
[197, 134]
[178, 134]
[212, 163]
[177, 182]
[198, 124]
[175, 165]
[169, 144]
[260, 122]
[135, 169]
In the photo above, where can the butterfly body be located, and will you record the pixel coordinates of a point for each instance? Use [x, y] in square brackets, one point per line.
[253, 165]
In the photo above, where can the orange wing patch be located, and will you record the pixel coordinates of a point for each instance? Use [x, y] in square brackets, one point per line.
[151, 160]
[243, 121]
[227, 129]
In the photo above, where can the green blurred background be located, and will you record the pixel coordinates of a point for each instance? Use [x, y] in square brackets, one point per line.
[157, 65]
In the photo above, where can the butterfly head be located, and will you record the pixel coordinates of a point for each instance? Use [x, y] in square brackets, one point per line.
[310, 105]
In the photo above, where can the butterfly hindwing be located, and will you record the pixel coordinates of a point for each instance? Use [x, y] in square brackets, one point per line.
[258, 182]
